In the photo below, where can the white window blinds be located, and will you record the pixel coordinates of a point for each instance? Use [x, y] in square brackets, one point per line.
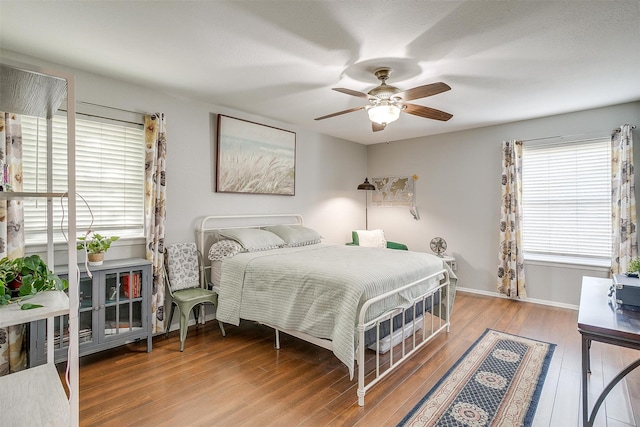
[109, 176]
[567, 198]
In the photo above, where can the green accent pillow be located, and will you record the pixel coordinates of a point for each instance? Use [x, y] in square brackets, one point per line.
[394, 245]
[354, 238]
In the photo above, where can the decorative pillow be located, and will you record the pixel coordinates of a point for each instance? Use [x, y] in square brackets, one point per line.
[253, 239]
[224, 249]
[182, 265]
[371, 238]
[295, 235]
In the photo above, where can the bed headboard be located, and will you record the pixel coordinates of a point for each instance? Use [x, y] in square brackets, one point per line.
[208, 225]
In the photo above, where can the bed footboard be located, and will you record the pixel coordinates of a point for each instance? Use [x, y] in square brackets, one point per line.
[430, 310]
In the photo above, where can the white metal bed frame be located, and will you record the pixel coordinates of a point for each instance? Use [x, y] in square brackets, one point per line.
[409, 343]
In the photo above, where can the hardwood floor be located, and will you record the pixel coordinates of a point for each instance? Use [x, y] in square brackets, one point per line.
[241, 380]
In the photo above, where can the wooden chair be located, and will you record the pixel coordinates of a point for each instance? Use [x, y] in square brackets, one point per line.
[184, 278]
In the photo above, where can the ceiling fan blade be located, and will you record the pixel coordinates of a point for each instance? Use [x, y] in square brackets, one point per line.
[351, 92]
[350, 110]
[377, 127]
[426, 112]
[423, 91]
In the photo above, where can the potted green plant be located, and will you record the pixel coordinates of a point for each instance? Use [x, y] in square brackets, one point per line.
[95, 245]
[634, 266]
[24, 277]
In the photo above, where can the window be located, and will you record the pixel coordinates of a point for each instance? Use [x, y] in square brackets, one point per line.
[566, 209]
[109, 176]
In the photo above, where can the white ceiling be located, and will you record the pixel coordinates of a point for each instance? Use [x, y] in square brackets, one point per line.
[505, 61]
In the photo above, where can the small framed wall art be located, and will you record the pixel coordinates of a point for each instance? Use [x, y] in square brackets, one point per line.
[394, 191]
[253, 158]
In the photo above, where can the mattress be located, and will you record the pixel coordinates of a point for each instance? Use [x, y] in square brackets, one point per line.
[318, 289]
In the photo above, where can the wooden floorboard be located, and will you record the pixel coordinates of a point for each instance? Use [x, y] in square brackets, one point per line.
[241, 380]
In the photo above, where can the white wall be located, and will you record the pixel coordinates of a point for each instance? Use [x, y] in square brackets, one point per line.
[328, 169]
[458, 193]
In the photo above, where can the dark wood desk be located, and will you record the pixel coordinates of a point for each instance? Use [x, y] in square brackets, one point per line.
[599, 319]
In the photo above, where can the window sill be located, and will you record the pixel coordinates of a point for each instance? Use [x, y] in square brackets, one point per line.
[582, 263]
[61, 245]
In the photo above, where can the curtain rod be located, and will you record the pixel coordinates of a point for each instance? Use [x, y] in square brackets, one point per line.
[110, 118]
[574, 135]
[618, 129]
[111, 108]
[105, 118]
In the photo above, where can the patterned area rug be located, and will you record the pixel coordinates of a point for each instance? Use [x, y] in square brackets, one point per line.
[497, 382]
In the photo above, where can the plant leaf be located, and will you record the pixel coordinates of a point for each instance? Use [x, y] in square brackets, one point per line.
[32, 262]
[29, 306]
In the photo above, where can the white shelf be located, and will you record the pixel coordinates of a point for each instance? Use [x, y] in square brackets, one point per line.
[43, 401]
[34, 397]
[23, 194]
[55, 303]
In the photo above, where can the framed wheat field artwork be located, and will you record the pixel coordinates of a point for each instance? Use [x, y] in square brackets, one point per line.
[254, 158]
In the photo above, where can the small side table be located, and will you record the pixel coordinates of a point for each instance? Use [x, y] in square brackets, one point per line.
[451, 261]
[600, 320]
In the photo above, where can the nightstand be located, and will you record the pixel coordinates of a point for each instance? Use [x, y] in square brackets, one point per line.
[451, 261]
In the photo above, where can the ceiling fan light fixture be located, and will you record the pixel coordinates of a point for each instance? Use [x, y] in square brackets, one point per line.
[387, 102]
[384, 113]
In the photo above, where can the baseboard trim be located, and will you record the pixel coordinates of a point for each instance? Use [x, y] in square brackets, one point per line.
[530, 300]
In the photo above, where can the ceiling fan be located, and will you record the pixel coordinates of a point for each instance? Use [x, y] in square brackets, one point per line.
[386, 102]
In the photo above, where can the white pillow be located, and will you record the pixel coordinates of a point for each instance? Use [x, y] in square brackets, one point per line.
[371, 238]
[253, 239]
[295, 235]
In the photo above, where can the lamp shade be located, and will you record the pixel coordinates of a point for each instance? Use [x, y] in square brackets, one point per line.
[384, 113]
[366, 185]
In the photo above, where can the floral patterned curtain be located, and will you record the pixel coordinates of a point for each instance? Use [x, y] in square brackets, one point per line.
[13, 350]
[154, 211]
[511, 261]
[623, 203]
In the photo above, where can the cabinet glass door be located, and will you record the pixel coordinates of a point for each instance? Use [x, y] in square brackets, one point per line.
[123, 302]
[85, 324]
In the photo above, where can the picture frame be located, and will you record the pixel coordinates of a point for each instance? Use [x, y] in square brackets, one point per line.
[394, 191]
[252, 158]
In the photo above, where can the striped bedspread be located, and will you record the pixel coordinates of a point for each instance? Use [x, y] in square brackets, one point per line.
[319, 289]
